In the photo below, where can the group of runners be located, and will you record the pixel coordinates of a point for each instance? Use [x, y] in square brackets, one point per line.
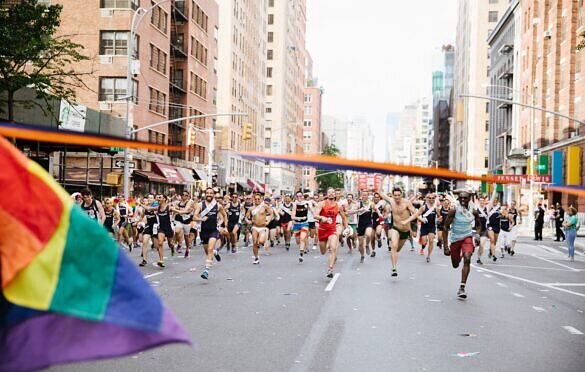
[328, 220]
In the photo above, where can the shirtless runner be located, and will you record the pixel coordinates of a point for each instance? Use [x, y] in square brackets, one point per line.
[259, 215]
[403, 212]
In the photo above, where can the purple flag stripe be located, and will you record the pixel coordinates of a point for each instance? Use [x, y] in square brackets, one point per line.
[52, 339]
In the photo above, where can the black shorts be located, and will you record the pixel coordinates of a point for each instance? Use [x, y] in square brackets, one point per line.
[167, 230]
[440, 227]
[206, 235]
[376, 223]
[361, 228]
[147, 230]
[272, 225]
[426, 229]
[232, 226]
[496, 230]
[193, 231]
[140, 229]
[312, 225]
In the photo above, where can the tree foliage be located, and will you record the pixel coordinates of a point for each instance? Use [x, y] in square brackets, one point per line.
[581, 44]
[32, 56]
[325, 178]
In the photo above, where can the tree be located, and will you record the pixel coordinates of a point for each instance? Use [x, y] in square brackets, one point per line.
[581, 44]
[325, 177]
[32, 56]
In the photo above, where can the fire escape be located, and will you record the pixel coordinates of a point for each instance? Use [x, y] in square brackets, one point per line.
[178, 81]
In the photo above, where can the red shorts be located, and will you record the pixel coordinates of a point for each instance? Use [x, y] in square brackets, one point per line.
[460, 247]
[324, 234]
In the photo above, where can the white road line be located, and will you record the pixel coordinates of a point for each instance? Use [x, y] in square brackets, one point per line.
[534, 267]
[332, 282]
[502, 285]
[531, 282]
[550, 250]
[538, 309]
[567, 284]
[517, 295]
[488, 275]
[153, 274]
[555, 263]
[572, 330]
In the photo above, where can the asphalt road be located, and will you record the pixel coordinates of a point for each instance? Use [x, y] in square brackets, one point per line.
[524, 313]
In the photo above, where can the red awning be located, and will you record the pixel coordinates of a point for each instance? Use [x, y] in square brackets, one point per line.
[255, 185]
[171, 173]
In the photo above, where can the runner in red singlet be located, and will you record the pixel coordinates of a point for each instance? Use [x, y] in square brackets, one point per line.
[326, 213]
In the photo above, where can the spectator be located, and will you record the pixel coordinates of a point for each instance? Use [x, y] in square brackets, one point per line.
[538, 222]
[559, 218]
[570, 226]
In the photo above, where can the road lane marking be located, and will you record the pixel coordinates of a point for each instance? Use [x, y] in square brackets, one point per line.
[517, 295]
[572, 330]
[332, 282]
[567, 284]
[153, 274]
[534, 267]
[488, 275]
[555, 263]
[531, 282]
[550, 250]
[538, 309]
[502, 285]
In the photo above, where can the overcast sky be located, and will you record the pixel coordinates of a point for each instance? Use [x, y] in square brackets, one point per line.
[374, 56]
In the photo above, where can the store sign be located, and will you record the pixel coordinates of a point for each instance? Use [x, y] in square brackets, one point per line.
[522, 178]
[72, 117]
[367, 181]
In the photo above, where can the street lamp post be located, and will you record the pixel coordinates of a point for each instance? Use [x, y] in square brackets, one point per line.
[140, 12]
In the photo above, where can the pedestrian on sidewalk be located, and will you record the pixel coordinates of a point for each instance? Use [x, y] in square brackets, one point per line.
[538, 222]
[559, 218]
[570, 225]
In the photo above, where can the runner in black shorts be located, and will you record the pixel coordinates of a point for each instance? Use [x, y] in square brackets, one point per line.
[365, 232]
[207, 212]
[165, 228]
[427, 217]
[234, 212]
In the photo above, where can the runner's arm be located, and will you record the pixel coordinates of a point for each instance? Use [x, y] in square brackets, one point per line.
[293, 213]
[413, 213]
[101, 212]
[447, 225]
[196, 214]
[477, 222]
[223, 215]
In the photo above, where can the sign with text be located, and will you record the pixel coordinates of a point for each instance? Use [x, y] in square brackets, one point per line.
[522, 178]
[367, 181]
[72, 117]
[120, 164]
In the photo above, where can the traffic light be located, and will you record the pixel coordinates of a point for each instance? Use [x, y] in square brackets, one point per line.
[247, 134]
[191, 136]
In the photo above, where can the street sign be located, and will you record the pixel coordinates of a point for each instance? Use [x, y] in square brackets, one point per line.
[540, 167]
[521, 178]
[116, 149]
[214, 167]
[120, 164]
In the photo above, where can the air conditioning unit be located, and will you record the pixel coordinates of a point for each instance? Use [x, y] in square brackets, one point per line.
[106, 60]
[135, 67]
[105, 106]
[107, 12]
[547, 34]
[573, 134]
[196, 159]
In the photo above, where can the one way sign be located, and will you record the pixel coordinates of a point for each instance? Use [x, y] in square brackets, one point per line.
[120, 164]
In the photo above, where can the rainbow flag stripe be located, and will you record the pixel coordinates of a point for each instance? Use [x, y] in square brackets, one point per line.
[68, 292]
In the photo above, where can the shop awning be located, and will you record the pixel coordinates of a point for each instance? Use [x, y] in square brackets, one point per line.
[243, 186]
[255, 185]
[187, 175]
[201, 174]
[151, 176]
[169, 172]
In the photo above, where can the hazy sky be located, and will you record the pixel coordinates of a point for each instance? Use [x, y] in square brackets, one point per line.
[375, 56]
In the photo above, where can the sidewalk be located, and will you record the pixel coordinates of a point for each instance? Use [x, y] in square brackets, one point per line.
[548, 234]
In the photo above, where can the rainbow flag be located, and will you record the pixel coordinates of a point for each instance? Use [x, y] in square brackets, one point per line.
[68, 292]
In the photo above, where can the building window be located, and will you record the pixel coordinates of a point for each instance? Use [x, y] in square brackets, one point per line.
[307, 134]
[307, 123]
[271, 3]
[112, 88]
[487, 125]
[199, 16]
[159, 18]
[270, 54]
[198, 85]
[580, 13]
[120, 4]
[306, 171]
[158, 101]
[492, 16]
[308, 110]
[562, 78]
[308, 98]
[493, 1]
[158, 59]
[267, 143]
[487, 107]
[268, 110]
[563, 28]
[114, 42]
[271, 19]
[198, 51]
[269, 90]
[307, 147]
[156, 137]
[270, 37]
[269, 72]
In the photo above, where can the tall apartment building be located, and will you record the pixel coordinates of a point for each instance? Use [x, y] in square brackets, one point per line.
[336, 132]
[468, 135]
[312, 144]
[552, 77]
[442, 88]
[173, 76]
[285, 72]
[241, 88]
